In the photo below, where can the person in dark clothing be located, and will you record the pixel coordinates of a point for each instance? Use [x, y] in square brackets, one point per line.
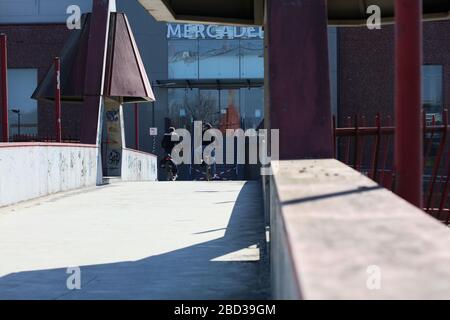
[169, 141]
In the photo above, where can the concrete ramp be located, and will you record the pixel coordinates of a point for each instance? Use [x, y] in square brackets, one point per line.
[143, 240]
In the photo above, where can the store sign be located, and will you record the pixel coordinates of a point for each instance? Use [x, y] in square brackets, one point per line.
[200, 31]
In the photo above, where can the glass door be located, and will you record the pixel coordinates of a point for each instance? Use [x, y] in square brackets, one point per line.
[230, 115]
[208, 108]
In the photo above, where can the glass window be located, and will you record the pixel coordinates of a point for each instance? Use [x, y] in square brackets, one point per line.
[182, 103]
[252, 59]
[252, 101]
[229, 110]
[219, 59]
[208, 107]
[432, 94]
[189, 105]
[21, 84]
[183, 59]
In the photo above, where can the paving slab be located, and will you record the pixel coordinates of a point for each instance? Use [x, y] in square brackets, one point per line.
[143, 240]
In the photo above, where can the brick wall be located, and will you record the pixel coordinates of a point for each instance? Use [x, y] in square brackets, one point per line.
[34, 46]
[366, 67]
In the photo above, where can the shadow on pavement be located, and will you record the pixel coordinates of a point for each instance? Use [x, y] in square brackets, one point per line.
[188, 273]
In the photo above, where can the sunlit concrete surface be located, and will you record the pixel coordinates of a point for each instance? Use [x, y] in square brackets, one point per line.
[147, 240]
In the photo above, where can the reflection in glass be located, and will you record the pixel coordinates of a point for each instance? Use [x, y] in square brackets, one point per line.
[432, 94]
[21, 84]
[189, 105]
[224, 109]
[216, 59]
[252, 59]
[219, 59]
[432, 88]
[208, 107]
[252, 101]
[183, 59]
[229, 110]
[181, 102]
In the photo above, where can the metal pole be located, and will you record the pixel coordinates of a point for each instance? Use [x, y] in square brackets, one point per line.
[136, 125]
[408, 64]
[58, 100]
[4, 87]
[18, 124]
[153, 114]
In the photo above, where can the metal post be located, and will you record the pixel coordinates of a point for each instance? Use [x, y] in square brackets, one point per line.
[4, 87]
[408, 64]
[18, 124]
[58, 100]
[153, 114]
[136, 125]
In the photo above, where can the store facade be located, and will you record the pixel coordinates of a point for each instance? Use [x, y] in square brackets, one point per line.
[215, 75]
[207, 72]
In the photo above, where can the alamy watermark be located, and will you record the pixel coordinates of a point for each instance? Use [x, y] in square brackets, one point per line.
[195, 31]
[73, 22]
[73, 282]
[191, 150]
[374, 21]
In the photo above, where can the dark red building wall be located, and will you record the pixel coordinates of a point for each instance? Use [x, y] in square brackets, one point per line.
[366, 67]
[35, 46]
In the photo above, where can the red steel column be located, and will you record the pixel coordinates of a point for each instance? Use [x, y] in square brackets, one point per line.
[297, 78]
[136, 125]
[58, 100]
[408, 104]
[4, 87]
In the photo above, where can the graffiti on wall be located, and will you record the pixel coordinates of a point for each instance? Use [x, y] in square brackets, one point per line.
[114, 140]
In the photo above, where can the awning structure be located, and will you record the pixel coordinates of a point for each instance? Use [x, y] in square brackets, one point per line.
[251, 12]
[216, 84]
[125, 76]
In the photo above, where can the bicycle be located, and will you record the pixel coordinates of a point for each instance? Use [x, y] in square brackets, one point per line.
[171, 168]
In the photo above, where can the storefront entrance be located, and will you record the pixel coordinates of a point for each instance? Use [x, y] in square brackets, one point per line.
[229, 108]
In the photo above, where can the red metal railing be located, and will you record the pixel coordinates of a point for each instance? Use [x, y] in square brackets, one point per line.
[369, 148]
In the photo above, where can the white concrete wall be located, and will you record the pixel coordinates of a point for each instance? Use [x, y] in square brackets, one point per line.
[139, 166]
[284, 282]
[31, 170]
[336, 234]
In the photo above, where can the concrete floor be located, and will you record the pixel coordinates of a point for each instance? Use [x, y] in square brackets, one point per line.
[156, 240]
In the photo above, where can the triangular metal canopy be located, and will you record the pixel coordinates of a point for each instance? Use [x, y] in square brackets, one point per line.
[125, 77]
[251, 12]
